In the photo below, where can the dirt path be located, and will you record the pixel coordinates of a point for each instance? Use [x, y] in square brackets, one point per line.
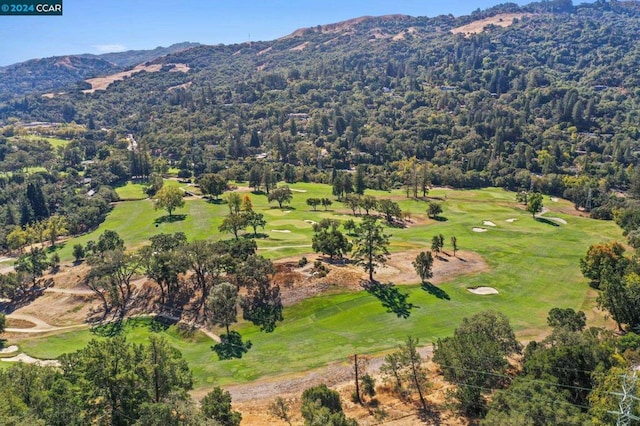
[79, 292]
[40, 325]
[334, 375]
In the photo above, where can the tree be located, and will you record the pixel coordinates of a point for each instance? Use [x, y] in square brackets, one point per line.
[390, 209]
[454, 245]
[56, 226]
[360, 185]
[326, 203]
[435, 244]
[212, 184]
[164, 262]
[368, 203]
[222, 304]
[329, 240]
[255, 220]
[534, 203]
[78, 252]
[281, 194]
[261, 304]
[3, 322]
[233, 223]
[280, 409]
[434, 210]
[216, 405]
[110, 278]
[313, 202]
[417, 375]
[247, 205]
[352, 201]
[601, 256]
[108, 240]
[234, 202]
[567, 318]
[165, 369]
[33, 263]
[322, 406]
[424, 265]
[474, 358]
[169, 198]
[370, 245]
[37, 201]
[359, 368]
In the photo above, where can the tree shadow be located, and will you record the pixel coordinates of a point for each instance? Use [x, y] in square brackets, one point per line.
[440, 219]
[282, 208]
[435, 291]
[430, 417]
[546, 221]
[258, 192]
[161, 323]
[170, 219]
[215, 201]
[109, 329]
[390, 297]
[259, 235]
[231, 346]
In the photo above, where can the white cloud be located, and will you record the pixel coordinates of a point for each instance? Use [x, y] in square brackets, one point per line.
[109, 48]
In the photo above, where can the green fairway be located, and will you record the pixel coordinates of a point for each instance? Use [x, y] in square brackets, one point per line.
[534, 264]
[131, 192]
[55, 142]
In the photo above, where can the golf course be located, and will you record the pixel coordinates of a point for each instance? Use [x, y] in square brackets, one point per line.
[532, 263]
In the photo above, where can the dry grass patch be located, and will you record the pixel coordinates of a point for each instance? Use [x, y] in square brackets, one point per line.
[501, 20]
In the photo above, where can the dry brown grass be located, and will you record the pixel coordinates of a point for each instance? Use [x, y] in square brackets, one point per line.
[102, 83]
[501, 20]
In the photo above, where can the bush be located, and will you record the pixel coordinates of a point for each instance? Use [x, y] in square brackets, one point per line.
[302, 262]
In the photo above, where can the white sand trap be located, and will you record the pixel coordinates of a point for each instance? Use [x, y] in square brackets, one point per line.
[479, 230]
[483, 290]
[31, 360]
[513, 219]
[298, 190]
[554, 199]
[488, 223]
[8, 350]
[284, 231]
[311, 222]
[558, 220]
[287, 211]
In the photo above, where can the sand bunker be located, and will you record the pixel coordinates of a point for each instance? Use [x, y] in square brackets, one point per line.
[284, 231]
[511, 220]
[488, 223]
[483, 290]
[298, 190]
[558, 220]
[554, 199]
[311, 222]
[479, 230]
[31, 360]
[12, 348]
[286, 211]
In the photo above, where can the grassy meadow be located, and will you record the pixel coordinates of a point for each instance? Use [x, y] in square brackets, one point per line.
[532, 263]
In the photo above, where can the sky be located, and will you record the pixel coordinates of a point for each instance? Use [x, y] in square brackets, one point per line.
[92, 26]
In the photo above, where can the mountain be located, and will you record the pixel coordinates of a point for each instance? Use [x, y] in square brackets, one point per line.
[513, 96]
[134, 57]
[60, 73]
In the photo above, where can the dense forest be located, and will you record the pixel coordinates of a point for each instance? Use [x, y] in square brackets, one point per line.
[548, 104]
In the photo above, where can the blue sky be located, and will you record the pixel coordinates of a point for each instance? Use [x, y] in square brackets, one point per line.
[91, 26]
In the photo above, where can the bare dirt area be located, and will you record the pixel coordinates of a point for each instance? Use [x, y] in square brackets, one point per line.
[299, 283]
[501, 20]
[253, 400]
[102, 83]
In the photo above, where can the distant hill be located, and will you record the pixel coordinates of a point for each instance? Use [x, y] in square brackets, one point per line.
[135, 57]
[63, 73]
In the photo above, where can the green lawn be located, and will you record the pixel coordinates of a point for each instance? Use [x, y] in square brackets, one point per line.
[131, 192]
[533, 264]
[55, 142]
